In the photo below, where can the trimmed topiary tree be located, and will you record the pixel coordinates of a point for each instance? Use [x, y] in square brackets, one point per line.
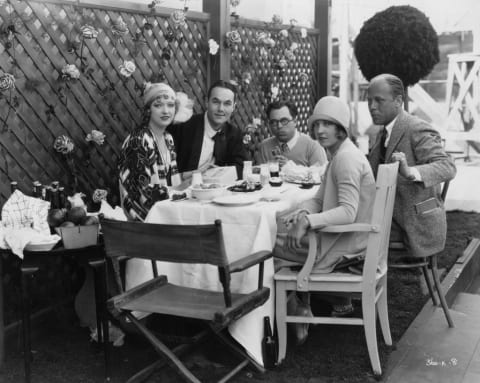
[399, 40]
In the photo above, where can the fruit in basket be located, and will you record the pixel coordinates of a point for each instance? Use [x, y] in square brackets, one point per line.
[56, 217]
[89, 220]
[76, 214]
[67, 224]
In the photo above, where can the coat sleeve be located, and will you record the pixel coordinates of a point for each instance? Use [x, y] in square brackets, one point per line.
[433, 163]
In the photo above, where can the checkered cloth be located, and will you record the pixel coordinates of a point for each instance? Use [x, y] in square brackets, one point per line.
[21, 211]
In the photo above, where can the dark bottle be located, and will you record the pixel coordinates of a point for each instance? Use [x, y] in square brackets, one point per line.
[48, 195]
[55, 204]
[269, 345]
[37, 189]
[62, 198]
[13, 186]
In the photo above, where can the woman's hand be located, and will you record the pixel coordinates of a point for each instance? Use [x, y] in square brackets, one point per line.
[297, 232]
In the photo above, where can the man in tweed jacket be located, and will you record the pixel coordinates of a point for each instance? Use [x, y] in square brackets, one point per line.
[419, 218]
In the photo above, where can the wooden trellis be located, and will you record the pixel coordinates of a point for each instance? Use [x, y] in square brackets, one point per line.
[296, 81]
[46, 37]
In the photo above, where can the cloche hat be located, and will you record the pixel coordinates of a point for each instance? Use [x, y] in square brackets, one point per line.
[331, 108]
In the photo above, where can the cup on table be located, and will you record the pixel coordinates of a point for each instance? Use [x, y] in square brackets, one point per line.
[274, 168]
[247, 169]
[197, 178]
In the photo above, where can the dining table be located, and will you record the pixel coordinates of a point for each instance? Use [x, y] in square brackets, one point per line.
[250, 222]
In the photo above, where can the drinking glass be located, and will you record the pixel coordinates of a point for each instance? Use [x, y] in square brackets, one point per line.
[274, 168]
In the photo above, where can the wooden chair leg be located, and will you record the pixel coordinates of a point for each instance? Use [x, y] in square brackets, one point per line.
[382, 309]
[280, 315]
[436, 280]
[369, 324]
[429, 285]
[164, 351]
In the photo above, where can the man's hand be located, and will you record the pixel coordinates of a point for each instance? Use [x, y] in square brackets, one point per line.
[404, 169]
[296, 233]
[282, 160]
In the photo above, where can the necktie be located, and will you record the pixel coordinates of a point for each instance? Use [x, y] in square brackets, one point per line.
[285, 148]
[383, 149]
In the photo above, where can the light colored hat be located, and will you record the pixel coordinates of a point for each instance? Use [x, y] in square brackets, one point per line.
[330, 108]
[155, 90]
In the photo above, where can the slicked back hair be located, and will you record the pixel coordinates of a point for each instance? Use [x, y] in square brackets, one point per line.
[396, 85]
[223, 84]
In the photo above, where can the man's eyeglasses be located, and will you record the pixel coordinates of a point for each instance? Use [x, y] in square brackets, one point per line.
[282, 122]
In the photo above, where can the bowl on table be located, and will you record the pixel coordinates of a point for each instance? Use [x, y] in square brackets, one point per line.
[206, 192]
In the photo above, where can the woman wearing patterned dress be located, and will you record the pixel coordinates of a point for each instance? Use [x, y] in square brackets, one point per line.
[148, 153]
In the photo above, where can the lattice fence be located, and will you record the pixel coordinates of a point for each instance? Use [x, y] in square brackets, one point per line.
[293, 74]
[39, 38]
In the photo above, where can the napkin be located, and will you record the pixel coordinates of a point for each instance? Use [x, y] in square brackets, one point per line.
[17, 239]
[22, 211]
[110, 213]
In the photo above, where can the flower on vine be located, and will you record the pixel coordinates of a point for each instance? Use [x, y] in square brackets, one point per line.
[234, 3]
[282, 63]
[213, 47]
[247, 138]
[64, 144]
[70, 72]
[88, 32]
[303, 77]
[178, 17]
[257, 121]
[99, 195]
[283, 33]
[294, 47]
[260, 37]
[277, 20]
[119, 28]
[127, 68]
[233, 38]
[289, 55]
[303, 32]
[246, 78]
[7, 82]
[95, 136]
[293, 22]
[274, 91]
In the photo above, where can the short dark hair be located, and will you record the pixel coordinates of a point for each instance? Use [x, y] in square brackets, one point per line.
[275, 105]
[223, 84]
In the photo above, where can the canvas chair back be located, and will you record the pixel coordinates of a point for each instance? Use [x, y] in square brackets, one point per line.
[168, 243]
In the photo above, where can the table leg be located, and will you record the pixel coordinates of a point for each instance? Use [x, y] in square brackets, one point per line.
[2, 325]
[99, 268]
[27, 345]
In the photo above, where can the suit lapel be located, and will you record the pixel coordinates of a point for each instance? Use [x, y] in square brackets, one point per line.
[398, 131]
[220, 147]
[197, 141]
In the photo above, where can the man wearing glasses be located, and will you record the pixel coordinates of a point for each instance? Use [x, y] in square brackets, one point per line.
[287, 143]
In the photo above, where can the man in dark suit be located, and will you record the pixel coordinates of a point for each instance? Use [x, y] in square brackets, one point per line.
[419, 218]
[209, 139]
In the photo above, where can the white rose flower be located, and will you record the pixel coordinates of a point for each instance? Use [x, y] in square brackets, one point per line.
[213, 47]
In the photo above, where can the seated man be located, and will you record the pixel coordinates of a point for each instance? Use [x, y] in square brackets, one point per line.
[209, 139]
[287, 143]
[346, 195]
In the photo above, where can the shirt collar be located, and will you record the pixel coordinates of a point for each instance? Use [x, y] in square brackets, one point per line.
[389, 128]
[209, 131]
[293, 140]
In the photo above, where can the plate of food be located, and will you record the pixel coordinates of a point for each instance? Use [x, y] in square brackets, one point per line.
[245, 187]
[236, 199]
[204, 192]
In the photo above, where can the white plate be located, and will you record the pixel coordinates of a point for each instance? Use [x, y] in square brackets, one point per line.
[41, 246]
[236, 200]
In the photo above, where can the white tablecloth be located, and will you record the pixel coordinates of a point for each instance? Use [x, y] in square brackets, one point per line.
[246, 229]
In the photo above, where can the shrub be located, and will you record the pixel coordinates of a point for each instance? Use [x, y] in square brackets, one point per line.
[399, 40]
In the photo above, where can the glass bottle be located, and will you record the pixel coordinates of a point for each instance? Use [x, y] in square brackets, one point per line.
[269, 345]
[13, 186]
[247, 170]
[37, 189]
